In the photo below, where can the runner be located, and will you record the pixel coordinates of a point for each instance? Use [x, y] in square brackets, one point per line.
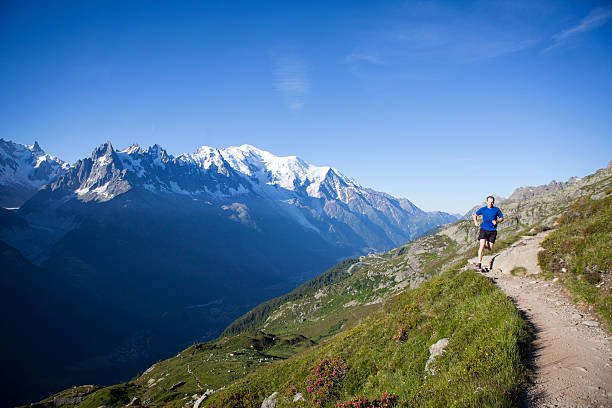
[491, 217]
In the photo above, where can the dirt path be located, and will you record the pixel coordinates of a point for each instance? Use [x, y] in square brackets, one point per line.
[571, 355]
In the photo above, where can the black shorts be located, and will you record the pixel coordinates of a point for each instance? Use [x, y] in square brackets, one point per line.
[488, 235]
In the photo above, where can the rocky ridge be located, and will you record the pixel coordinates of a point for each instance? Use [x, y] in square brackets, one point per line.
[24, 169]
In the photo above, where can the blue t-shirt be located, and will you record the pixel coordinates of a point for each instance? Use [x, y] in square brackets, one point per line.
[488, 215]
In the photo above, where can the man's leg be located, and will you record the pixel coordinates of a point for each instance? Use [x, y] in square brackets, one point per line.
[492, 257]
[481, 250]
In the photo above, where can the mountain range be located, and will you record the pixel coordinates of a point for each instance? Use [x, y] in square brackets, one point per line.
[319, 198]
[143, 253]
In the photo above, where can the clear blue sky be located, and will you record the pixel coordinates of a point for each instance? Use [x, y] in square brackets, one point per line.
[439, 102]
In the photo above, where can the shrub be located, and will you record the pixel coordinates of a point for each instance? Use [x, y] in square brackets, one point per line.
[386, 400]
[325, 379]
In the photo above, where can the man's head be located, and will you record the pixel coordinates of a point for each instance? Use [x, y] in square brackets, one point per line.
[490, 201]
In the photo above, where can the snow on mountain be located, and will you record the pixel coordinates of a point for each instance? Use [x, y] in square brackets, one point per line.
[319, 198]
[290, 172]
[108, 173]
[24, 169]
[299, 187]
[224, 173]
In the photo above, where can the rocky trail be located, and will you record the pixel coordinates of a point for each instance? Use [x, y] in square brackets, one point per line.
[570, 354]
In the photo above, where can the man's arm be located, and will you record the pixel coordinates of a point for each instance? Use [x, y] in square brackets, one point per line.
[499, 217]
[475, 217]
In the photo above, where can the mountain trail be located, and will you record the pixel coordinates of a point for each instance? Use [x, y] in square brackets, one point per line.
[195, 377]
[570, 354]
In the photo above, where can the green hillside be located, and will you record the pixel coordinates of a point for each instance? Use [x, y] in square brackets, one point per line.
[579, 253]
[388, 350]
[375, 317]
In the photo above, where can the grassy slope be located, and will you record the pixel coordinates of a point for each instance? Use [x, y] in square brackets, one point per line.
[578, 252]
[482, 365]
[318, 318]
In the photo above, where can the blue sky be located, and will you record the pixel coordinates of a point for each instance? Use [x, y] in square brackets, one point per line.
[439, 102]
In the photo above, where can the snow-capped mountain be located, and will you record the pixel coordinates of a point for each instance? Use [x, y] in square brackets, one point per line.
[319, 198]
[23, 170]
[109, 173]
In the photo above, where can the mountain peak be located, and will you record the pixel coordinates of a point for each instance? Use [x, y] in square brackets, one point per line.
[158, 152]
[206, 150]
[248, 147]
[103, 150]
[134, 148]
[35, 148]
[23, 170]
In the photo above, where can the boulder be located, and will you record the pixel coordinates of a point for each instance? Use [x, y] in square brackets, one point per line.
[435, 350]
[270, 402]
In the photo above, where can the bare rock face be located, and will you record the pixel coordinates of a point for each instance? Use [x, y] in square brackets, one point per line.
[435, 350]
[525, 193]
[520, 254]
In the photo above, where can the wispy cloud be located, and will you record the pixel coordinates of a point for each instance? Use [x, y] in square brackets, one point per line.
[362, 57]
[291, 79]
[426, 33]
[596, 18]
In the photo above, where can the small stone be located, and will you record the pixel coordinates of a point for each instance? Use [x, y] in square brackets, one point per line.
[555, 279]
[590, 323]
[298, 397]
[270, 402]
[584, 370]
[576, 316]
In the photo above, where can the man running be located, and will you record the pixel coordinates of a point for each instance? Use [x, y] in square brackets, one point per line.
[491, 217]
